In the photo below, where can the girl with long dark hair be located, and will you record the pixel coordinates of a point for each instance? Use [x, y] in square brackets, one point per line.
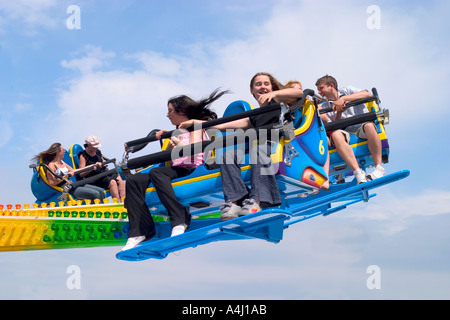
[142, 226]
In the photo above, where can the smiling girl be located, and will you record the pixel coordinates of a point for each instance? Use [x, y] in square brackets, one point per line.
[240, 200]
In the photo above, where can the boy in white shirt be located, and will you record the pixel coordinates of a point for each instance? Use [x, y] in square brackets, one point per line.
[327, 87]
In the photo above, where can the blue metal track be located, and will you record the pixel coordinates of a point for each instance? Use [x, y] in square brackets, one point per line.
[268, 224]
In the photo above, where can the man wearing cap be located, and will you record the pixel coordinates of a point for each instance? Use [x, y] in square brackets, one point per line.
[93, 156]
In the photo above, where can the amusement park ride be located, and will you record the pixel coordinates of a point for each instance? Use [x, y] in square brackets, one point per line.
[58, 221]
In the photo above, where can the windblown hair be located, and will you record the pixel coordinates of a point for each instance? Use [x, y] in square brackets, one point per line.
[48, 155]
[196, 109]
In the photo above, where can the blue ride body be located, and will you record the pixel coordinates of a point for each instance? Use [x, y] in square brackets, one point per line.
[204, 185]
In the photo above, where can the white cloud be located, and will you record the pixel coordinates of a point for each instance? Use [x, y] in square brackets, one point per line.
[33, 14]
[94, 58]
[396, 213]
[6, 132]
[156, 64]
[122, 105]
[116, 106]
[23, 107]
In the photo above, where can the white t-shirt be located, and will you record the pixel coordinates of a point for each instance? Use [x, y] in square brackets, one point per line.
[349, 112]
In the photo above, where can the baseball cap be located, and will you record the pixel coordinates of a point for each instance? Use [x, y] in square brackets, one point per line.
[93, 141]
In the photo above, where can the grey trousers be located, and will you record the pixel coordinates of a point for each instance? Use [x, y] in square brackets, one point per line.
[89, 191]
[264, 186]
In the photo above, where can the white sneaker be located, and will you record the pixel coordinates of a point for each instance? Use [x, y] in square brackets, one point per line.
[360, 176]
[249, 206]
[378, 172]
[133, 242]
[179, 229]
[229, 211]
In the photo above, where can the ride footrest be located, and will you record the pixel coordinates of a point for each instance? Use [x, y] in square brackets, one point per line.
[267, 225]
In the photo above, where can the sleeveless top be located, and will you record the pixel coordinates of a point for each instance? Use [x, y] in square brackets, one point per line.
[92, 160]
[62, 171]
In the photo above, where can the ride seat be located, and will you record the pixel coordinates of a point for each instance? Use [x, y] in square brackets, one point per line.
[41, 188]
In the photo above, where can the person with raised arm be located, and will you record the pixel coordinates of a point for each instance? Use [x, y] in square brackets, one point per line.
[240, 200]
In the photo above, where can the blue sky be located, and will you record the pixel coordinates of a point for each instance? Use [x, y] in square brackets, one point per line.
[112, 78]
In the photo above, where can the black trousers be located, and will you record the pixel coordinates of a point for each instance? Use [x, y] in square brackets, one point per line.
[140, 219]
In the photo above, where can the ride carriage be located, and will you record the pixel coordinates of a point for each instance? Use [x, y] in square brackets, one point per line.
[298, 155]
